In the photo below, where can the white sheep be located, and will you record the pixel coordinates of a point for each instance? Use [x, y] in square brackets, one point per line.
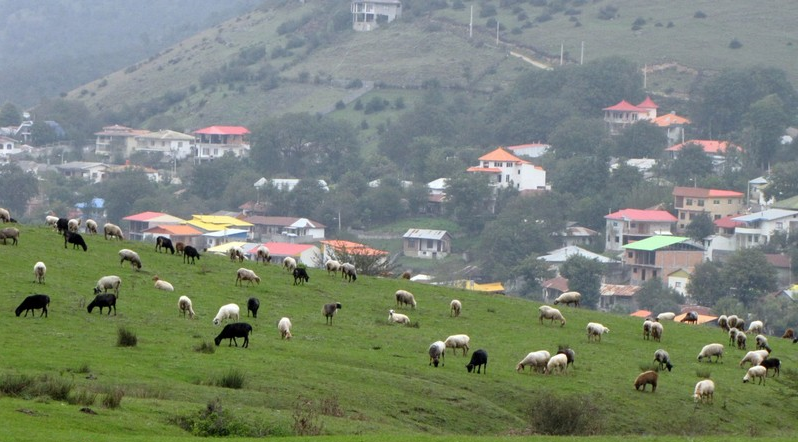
[91, 226]
[458, 341]
[756, 327]
[185, 306]
[74, 224]
[248, 275]
[229, 311]
[535, 360]
[395, 317]
[732, 321]
[289, 263]
[723, 322]
[733, 335]
[666, 316]
[236, 253]
[349, 272]
[131, 256]
[647, 329]
[741, 340]
[558, 362]
[656, 331]
[162, 284]
[405, 298]
[51, 220]
[661, 356]
[762, 342]
[437, 353]
[39, 271]
[108, 282]
[595, 331]
[755, 372]
[754, 357]
[110, 229]
[551, 314]
[704, 391]
[333, 266]
[5, 216]
[455, 306]
[262, 253]
[710, 350]
[284, 326]
[568, 298]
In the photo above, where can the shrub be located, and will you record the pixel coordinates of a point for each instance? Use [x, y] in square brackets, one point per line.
[113, 397]
[233, 379]
[572, 415]
[213, 421]
[205, 347]
[329, 406]
[15, 384]
[83, 398]
[126, 338]
[306, 418]
[56, 388]
[340, 105]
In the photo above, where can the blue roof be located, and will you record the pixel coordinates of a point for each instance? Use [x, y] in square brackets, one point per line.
[96, 202]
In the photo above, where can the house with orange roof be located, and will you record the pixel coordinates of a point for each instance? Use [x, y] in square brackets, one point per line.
[717, 150]
[141, 222]
[187, 234]
[333, 249]
[717, 203]
[117, 140]
[629, 225]
[506, 170]
[623, 114]
[673, 126]
[216, 141]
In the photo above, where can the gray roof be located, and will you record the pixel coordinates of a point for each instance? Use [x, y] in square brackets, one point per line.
[770, 214]
[562, 254]
[427, 234]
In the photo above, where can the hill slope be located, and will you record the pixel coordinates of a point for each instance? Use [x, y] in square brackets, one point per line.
[360, 378]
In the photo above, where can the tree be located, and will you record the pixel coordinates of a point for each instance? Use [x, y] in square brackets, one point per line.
[700, 227]
[10, 115]
[584, 276]
[468, 199]
[655, 296]
[19, 186]
[765, 120]
[706, 285]
[783, 181]
[691, 165]
[578, 137]
[532, 272]
[208, 180]
[42, 134]
[749, 275]
[643, 139]
[122, 190]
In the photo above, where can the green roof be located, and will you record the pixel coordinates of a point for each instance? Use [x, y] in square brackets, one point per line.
[655, 242]
[788, 203]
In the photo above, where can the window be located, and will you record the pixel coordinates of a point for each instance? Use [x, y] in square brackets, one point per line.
[681, 215]
[779, 225]
[717, 202]
[717, 217]
[507, 178]
[179, 144]
[430, 244]
[632, 225]
[678, 284]
[689, 202]
[485, 164]
[701, 203]
[630, 254]
[617, 239]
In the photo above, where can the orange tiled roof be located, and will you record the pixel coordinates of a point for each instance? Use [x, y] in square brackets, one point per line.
[648, 103]
[671, 119]
[709, 146]
[500, 155]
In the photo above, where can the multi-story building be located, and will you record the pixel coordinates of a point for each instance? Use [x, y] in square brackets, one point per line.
[717, 203]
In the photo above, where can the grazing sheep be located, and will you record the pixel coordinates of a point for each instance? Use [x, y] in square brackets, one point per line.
[558, 362]
[284, 326]
[62, 225]
[656, 331]
[756, 327]
[51, 220]
[248, 275]
[789, 333]
[732, 321]
[741, 325]
[704, 391]
[164, 243]
[733, 335]
[74, 224]
[406, 275]
[568, 298]
[437, 353]
[289, 263]
[236, 253]
[329, 310]
[179, 247]
[131, 256]
[333, 266]
[348, 270]
[661, 356]
[185, 306]
[91, 227]
[232, 331]
[39, 271]
[595, 331]
[479, 359]
[112, 230]
[755, 372]
[690, 318]
[710, 350]
[301, 276]
[550, 314]
[772, 363]
[535, 360]
[395, 317]
[455, 306]
[5, 216]
[666, 316]
[262, 253]
[754, 357]
[108, 282]
[647, 378]
[162, 284]
[253, 304]
[33, 302]
[228, 311]
[405, 298]
[647, 329]
[76, 240]
[762, 342]
[458, 341]
[190, 252]
[101, 301]
[741, 340]
[723, 322]
[12, 233]
[568, 353]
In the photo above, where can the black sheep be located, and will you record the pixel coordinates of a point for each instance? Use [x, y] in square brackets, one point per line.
[478, 359]
[101, 301]
[233, 330]
[769, 363]
[190, 252]
[165, 243]
[570, 354]
[32, 302]
[300, 276]
[253, 304]
[76, 240]
[62, 225]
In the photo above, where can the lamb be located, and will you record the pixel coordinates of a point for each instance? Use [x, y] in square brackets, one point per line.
[665, 316]
[348, 270]
[232, 331]
[704, 391]
[236, 253]
[595, 331]
[289, 263]
[108, 282]
[656, 331]
[733, 335]
[661, 356]
[131, 256]
[723, 322]
[437, 353]
[459, 341]
[755, 372]
[179, 247]
[455, 306]
[479, 359]
[301, 276]
[568, 298]
[185, 306]
[647, 329]
[405, 298]
[12, 233]
[51, 220]
[253, 304]
[190, 252]
[262, 253]
[732, 321]
[91, 227]
[406, 275]
[756, 327]
[333, 266]
[162, 284]
[741, 339]
[535, 360]
[710, 350]
[690, 318]
[248, 275]
[558, 362]
[74, 224]
[101, 301]
[39, 271]
[5, 216]
[395, 317]
[647, 378]
[789, 333]
[754, 357]
[284, 326]
[164, 243]
[112, 230]
[551, 314]
[33, 302]
[568, 353]
[76, 240]
[772, 363]
[329, 310]
[228, 311]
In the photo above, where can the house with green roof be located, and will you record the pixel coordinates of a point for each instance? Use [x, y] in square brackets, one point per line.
[660, 256]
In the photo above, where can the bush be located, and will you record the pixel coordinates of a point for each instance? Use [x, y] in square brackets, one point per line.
[233, 379]
[56, 388]
[306, 418]
[83, 398]
[550, 414]
[699, 14]
[205, 347]
[113, 397]
[126, 338]
[15, 384]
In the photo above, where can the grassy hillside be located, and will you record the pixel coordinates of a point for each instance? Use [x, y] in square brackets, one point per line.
[360, 379]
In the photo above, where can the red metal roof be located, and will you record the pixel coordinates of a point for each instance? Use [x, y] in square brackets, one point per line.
[625, 106]
[353, 248]
[685, 191]
[728, 222]
[709, 146]
[223, 130]
[648, 103]
[284, 249]
[642, 215]
[143, 216]
[174, 230]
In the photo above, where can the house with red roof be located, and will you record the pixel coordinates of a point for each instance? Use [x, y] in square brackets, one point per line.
[717, 203]
[716, 150]
[629, 225]
[216, 141]
[141, 222]
[506, 170]
[673, 126]
[302, 253]
[623, 114]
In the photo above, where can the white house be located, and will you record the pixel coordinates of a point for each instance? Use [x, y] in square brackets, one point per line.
[426, 243]
[285, 184]
[90, 171]
[216, 141]
[629, 225]
[530, 149]
[757, 228]
[506, 170]
[172, 144]
[366, 14]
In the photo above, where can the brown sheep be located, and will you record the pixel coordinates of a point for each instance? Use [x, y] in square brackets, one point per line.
[646, 378]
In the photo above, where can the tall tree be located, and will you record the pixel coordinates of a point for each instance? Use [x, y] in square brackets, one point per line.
[643, 139]
[749, 275]
[122, 190]
[10, 115]
[468, 200]
[690, 166]
[706, 285]
[700, 227]
[765, 123]
[19, 186]
[584, 276]
[783, 181]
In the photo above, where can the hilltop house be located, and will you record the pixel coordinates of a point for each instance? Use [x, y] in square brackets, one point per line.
[216, 141]
[628, 225]
[221, 227]
[426, 243]
[140, 224]
[367, 14]
[506, 170]
[533, 150]
[660, 256]
[689, 202]
[171, 144]
[623, 114]
[117, 140]
[747, 231]
[286, 229]
[90, 171]
[718, 151]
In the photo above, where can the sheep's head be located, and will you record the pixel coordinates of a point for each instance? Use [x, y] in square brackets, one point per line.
[216, 322]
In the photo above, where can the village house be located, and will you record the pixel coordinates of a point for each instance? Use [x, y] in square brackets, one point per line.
[506, 170]
[556, 258]
[172, 144]
[286, 229]
[628, 225]
[90, 171]
[219, 228]
[216, 141]
[613, 296]
[117, 140]
[717, 203]
[574, 235]
[619, 116]
[718, 151]
[426, 243]
[533, 150]
[336, 249]
[139, 225]
[659, 256]
[368, 14]
[186, 234]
